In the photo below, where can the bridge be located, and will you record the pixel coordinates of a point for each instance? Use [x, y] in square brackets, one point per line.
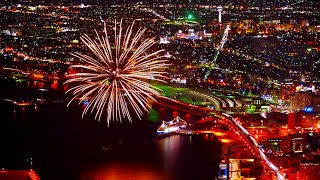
[259, 151]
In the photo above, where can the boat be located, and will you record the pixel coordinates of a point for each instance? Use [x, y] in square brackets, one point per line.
[172, 126]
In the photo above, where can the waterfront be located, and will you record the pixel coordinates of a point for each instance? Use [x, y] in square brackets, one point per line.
[247, 72]
[64, 146]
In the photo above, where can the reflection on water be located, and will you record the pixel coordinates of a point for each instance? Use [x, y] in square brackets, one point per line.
[120, 171]
[64, 146]
[170, 148]
[173, 157]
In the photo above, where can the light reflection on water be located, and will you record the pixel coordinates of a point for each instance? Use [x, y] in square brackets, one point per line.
[170, 147]
[123, 171]
[175, 157]
[59, 140]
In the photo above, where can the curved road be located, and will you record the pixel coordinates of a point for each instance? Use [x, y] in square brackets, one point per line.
[256, 146]
[241, 129]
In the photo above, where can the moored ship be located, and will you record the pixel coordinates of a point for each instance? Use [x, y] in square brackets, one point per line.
[172, 126]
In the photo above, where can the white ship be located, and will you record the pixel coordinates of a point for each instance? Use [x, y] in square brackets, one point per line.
[172, 126]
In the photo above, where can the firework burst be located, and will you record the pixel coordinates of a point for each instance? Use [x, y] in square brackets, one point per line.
[114, 78]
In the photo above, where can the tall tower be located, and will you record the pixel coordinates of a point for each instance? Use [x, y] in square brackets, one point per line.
[219, 8]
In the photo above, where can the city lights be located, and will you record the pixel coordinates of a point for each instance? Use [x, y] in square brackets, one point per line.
[160, 87]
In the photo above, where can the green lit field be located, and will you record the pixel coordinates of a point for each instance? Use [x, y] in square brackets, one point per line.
[181, 94]
[178, 93]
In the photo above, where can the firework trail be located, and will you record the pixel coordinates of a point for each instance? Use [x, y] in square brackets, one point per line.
[115, 76]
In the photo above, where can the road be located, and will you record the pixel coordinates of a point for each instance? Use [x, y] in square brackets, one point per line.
[256, 145]
[253, 142]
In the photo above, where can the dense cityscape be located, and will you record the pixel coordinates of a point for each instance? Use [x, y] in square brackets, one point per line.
[241, 84]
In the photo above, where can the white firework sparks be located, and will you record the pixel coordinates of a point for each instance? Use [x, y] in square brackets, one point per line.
[114, 78]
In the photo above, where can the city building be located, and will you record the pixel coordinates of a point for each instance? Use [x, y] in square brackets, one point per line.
[240, 168]
[287, 89]
[302, 100]
[303, 119]
[292, 120]
[293, 144]
[307, 120]
[309, 171]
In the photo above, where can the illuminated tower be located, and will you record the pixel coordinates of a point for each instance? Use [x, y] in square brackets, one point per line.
[219, 8]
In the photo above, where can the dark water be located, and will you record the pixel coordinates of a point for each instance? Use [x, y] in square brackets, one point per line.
[64, 146]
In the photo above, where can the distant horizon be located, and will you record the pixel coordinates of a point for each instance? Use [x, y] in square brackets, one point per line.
[260, 3]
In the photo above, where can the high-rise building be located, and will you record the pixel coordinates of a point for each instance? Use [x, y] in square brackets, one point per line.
[302, 100]
[286, 90]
